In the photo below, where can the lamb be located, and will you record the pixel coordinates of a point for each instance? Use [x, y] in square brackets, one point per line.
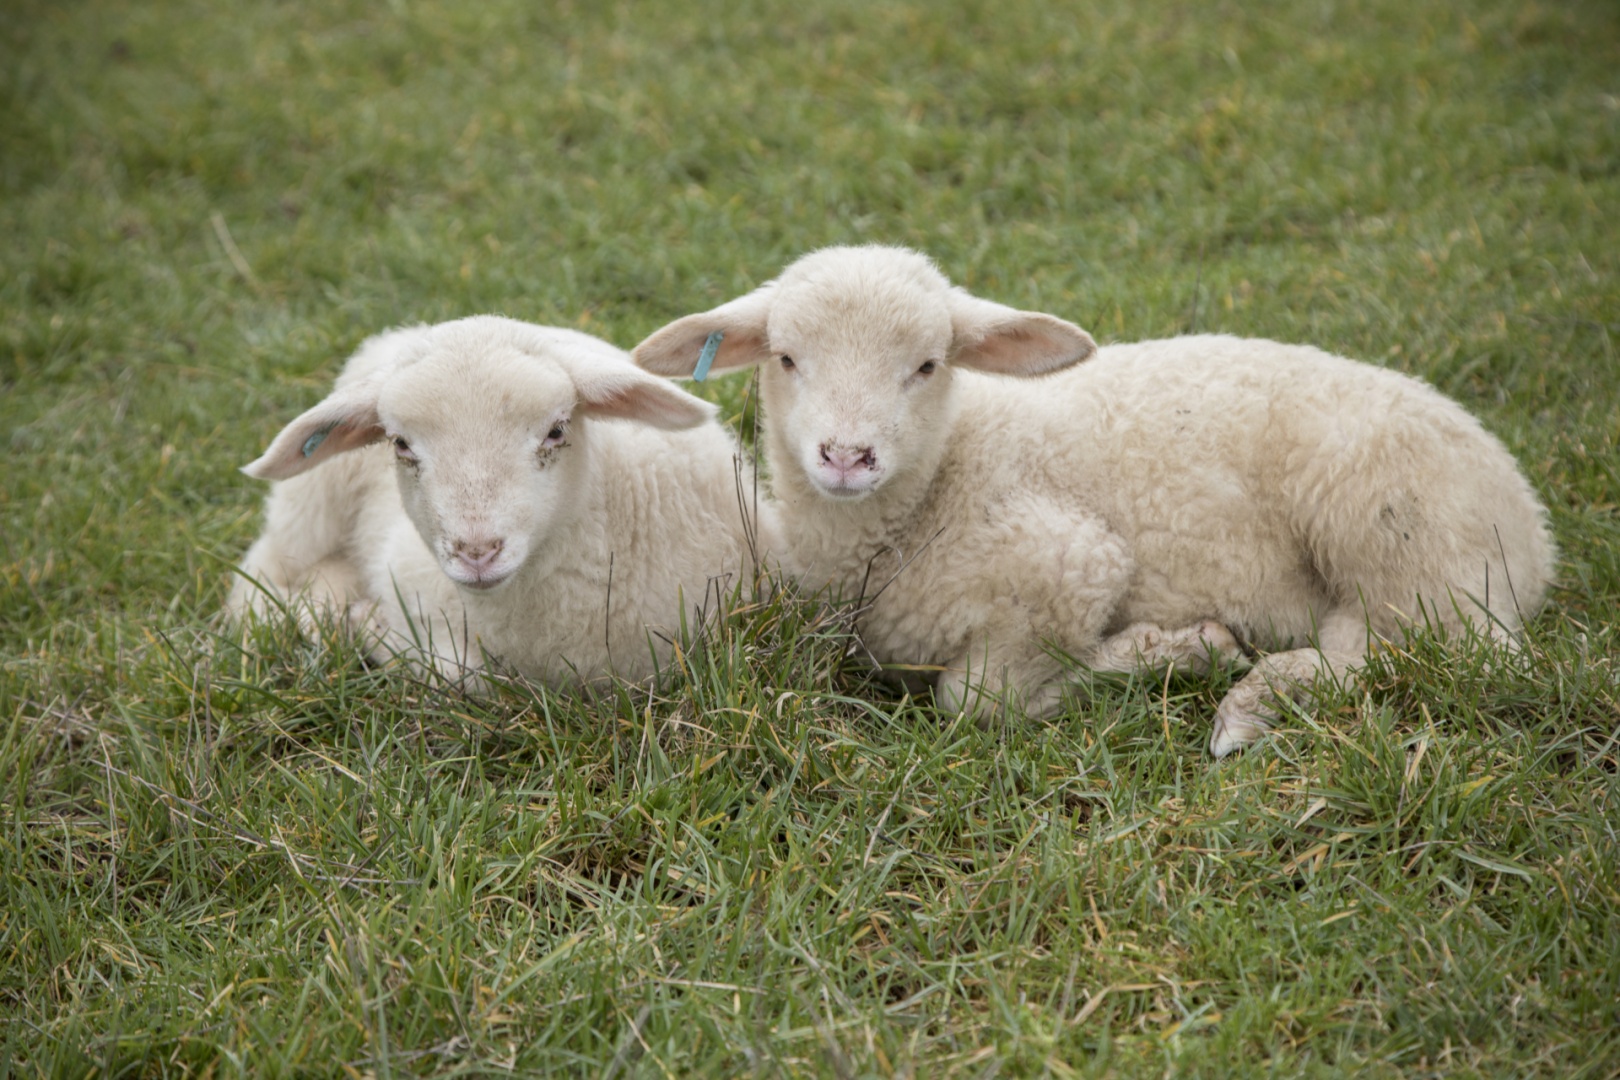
[1185, 501]
[491, 485]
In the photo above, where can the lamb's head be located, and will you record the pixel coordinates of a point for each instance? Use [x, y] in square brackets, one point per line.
[857, 346]
[489, 422]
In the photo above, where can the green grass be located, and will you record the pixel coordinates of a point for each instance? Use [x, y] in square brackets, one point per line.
[229, 853]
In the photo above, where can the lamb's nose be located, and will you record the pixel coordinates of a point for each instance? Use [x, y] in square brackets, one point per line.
[847, 459]
[479, 555]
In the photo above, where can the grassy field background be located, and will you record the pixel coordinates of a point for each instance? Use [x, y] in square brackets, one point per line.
[225, 854]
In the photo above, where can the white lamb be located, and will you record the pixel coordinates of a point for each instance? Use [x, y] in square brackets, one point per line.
[1129, 511]
[513, 487]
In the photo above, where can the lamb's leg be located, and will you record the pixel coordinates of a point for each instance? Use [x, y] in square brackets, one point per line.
[976, 680]
[332, 585]
[1247, 710]
[961, 688]
[311, 593]
[1064, 574]
[1146, 647]
[981, 683]
[425, 642]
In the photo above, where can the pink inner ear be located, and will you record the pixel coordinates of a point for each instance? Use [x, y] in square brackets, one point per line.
[342, 438]
[1030, 344]
[298, 449]
[651, 402]
[676, 348]
[617, 402]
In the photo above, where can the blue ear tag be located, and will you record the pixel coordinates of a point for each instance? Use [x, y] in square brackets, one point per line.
[706, 358]
[313, 443]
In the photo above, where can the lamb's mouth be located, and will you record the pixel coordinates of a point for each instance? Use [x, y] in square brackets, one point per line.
[486, 583]
[841, 493]
[850, 489]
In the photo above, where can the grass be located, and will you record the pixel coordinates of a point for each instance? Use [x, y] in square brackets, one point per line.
[228, 853]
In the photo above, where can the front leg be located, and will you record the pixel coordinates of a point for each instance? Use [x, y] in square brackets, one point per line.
[1248, 709]
[1052, 580]
[314, 595]
[984, 683]
[442, 641]
[978, 680]
[1001, 604]
[1145, 647]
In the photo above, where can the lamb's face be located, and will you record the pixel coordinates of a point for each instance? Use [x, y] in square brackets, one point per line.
[489, 454]
[857, 346]
[487, 418]
[856, 379]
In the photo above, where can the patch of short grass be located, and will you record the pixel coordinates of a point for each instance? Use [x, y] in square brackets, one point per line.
[251, 853]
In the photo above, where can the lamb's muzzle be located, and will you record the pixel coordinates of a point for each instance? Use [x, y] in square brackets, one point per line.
[847, 471]
[475, 565]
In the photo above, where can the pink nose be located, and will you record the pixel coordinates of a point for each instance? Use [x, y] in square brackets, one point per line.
[847, 460]
[478, 555]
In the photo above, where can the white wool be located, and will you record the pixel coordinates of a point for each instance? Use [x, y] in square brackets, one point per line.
[1141, 507]
[486, 485]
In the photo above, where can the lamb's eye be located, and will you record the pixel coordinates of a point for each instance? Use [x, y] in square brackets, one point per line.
[403, 451]
[787, 363]
[555, 437]
[927, 368]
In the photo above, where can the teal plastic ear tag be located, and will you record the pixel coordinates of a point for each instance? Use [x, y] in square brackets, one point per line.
[706, 357]
[313, 443]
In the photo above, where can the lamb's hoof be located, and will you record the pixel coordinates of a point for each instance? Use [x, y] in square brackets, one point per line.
[1219, 643]
[1234, 729]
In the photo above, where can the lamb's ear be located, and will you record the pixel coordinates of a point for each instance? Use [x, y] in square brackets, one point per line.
[627, 393]
[675, 349]
[347, 420]
[993, 337]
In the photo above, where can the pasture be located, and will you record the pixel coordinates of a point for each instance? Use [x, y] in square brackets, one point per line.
[228, 853]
